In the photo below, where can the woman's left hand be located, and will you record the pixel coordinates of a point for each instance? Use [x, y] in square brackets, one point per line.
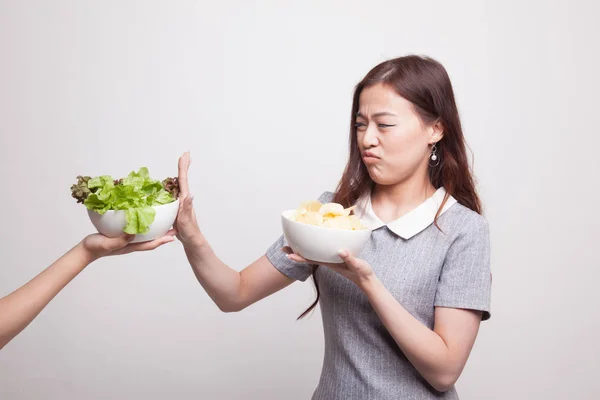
[353, 268]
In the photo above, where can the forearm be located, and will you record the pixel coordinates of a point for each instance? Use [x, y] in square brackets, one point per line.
[19, 308]
[423, 347]
[222, 283]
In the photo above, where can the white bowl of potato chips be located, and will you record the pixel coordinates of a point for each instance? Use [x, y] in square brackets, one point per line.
[318, 231]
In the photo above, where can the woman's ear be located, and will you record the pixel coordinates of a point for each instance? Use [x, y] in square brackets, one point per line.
[436, 132]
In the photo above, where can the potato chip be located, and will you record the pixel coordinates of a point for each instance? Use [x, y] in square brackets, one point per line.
[332, 208]
[330, 215]
[299, 217]
[312, 205]
[339, 222]
[307, 206]
[355, 222]
[348, 210]
[313, 218]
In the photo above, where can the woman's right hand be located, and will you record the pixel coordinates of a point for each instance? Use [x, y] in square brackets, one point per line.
[186, 224]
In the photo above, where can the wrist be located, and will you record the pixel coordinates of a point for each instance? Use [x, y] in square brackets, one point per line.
[370, 285]
[85, 255]
[194, 241]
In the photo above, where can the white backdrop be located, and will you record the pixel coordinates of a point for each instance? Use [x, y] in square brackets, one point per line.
[260, 92]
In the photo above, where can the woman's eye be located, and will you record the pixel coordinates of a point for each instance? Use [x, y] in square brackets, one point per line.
[362, 125]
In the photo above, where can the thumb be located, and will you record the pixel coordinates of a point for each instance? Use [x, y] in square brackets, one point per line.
[188, 203]
[121, 241]
[186, 209]
[348, 258]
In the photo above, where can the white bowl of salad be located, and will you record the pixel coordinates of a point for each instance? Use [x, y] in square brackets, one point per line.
[136, 204]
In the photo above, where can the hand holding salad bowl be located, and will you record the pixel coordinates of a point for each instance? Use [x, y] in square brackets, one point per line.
[136, 205]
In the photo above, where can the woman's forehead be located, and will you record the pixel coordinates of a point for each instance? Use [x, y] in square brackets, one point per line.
[382, 100]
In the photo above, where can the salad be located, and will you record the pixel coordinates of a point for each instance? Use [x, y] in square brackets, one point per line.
[136, 194]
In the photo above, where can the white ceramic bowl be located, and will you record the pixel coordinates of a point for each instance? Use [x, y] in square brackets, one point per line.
[113, 222]
[321, 244]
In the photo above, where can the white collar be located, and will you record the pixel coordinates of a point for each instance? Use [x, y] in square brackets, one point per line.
[409, 224]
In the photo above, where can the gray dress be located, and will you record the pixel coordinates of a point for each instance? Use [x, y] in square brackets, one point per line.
[422, 267]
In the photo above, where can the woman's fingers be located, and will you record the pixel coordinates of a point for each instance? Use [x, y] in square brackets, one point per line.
[182, 178]
[150, 245]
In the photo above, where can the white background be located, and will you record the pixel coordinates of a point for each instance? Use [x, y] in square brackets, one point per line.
[260, 92]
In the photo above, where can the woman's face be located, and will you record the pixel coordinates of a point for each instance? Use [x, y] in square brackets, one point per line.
[393, 140]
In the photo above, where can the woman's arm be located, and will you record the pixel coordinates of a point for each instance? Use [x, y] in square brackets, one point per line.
[232, 290]
[229, 289]
[439, 354]
[19, 308]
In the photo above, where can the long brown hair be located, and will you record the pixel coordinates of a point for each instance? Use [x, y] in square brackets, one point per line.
[425, 83]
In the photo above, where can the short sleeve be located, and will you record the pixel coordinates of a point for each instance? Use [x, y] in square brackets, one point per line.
[466, 280]
[289, 268]
[278, 258]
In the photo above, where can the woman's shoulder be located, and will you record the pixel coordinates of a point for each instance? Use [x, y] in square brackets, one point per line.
[326, 197]
[465, 220]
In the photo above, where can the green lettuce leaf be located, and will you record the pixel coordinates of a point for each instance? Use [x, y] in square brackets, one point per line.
[139, 219]
[136, 194]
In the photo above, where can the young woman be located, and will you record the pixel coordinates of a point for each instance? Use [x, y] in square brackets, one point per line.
[20, 307]
[399, 319]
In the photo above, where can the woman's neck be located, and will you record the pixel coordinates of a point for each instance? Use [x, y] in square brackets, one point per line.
[391, 202]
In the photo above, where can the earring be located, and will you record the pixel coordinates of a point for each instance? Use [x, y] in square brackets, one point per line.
[434, 160]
